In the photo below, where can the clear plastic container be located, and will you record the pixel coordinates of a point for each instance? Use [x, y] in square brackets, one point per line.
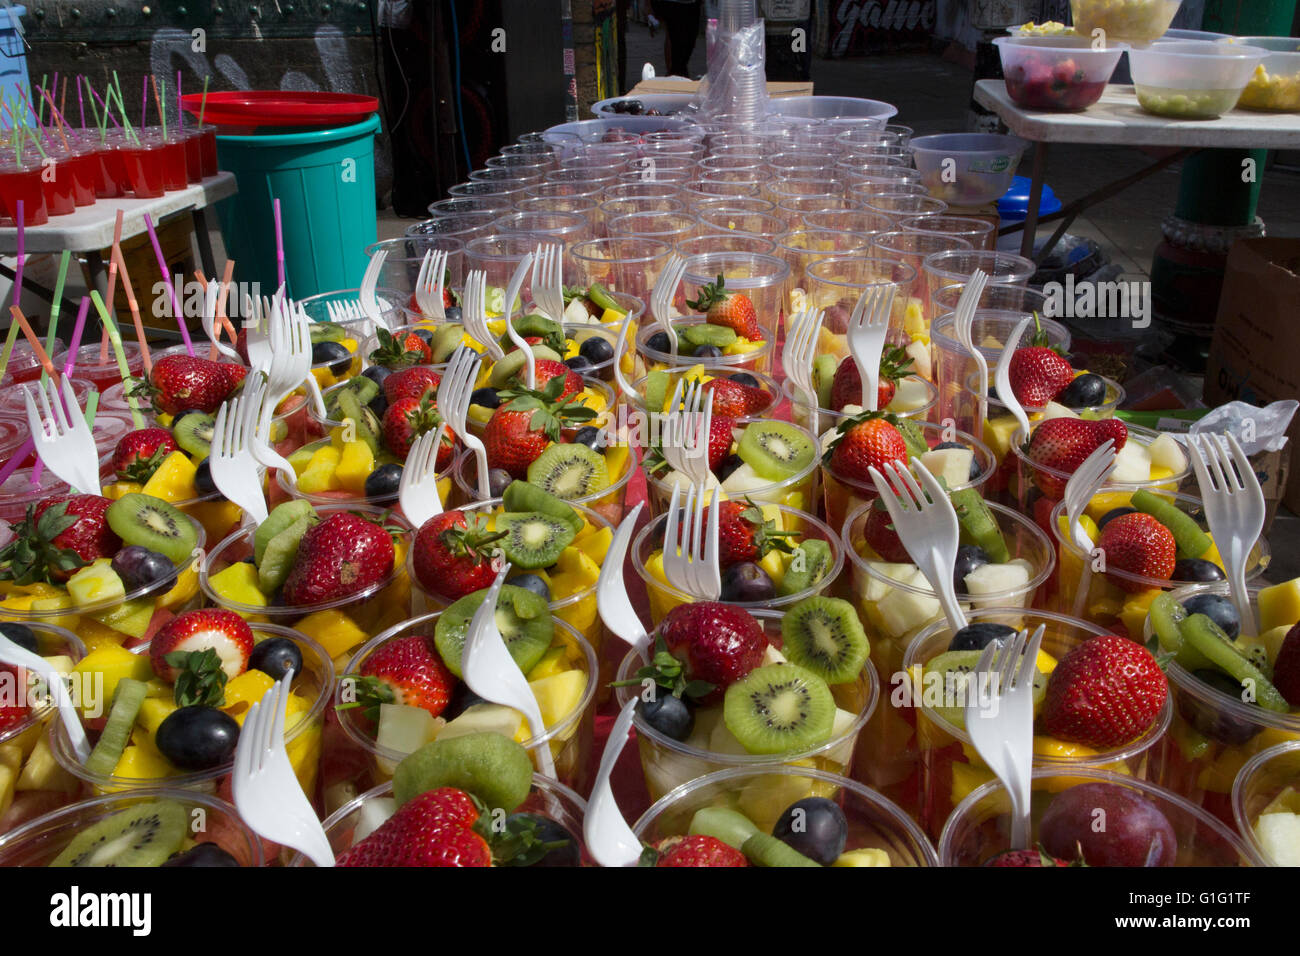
[629, 264]
[1262, 779]
[1275, 85]
[834, 107]
[1061, 74]
[1138, 22]
[404, 256]
[751, 357]
[985, 165]
[1192, 79]
[835, 283]
[760, 277]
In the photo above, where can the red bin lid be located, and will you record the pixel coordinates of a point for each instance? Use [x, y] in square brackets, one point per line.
[254, 108]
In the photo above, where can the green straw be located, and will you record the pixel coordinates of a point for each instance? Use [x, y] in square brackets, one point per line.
[40, 104]
[116, 338]
[160, 95]
[126, 123]
[54, 310]
[92, 406]
[94, 111]
[9, 346]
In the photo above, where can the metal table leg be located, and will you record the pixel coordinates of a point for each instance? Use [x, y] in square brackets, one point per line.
[98, 277]
[200, 217]
[1035, 198]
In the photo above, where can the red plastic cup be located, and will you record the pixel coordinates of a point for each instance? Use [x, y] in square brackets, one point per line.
[22, 183]
[56, 181]
[208, 150]
[175, 175]
[193, 155]
[83, 164]
[144, 166]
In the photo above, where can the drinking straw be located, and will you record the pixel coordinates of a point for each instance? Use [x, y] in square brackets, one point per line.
[180, 115]
[54, 115]
[55, 305]
[22, 247]
[74, 343]
[203, 103]
[222, 299]
[171, 289]
[9, 467]
[144, 100]
[44, 132]
[114, 254]
[134, 308]
[63, 98]
[108, 111]
[40, 115]
[279, 244]
[158, 101]
[10, 338]
[92, 404]
[33, 340]
[136, 418]
[81, 105]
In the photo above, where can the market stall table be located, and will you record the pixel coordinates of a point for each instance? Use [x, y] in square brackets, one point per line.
[1117, 120]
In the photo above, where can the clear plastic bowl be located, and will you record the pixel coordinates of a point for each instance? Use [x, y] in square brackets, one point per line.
[664, 103]
[985, 165]
[1192, 79]
[834, 107]
[1275, 85]
[1056, 73]
[1263, 777]
[1138, 22]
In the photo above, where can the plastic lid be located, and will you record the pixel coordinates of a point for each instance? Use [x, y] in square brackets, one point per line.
[256, 108]
[1014, 204]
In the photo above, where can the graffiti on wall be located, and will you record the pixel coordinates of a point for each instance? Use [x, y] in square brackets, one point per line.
[861, 26]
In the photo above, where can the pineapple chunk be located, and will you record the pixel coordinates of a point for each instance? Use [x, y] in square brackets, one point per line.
[867, 857]
[596, 545]
[42, 772]
[998, 433]
[114, 663]
[484, 718]
[575, 561]
[238, 583]
[7, 780]
[1279, 605]
[174, 479]
[142, 763]
[355, 465]
[321, 473]
[153, 711]
[552, 663]
[405, 729]
[96, 583]
[332, 630]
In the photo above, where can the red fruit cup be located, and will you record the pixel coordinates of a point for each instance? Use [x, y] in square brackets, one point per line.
[403, 259]
[81, 164]
[742, 355]
[950, 766]
[800, 246]
[836, 283]
[22, 183]
[1265, 777]
[105, 374]
[39, 842]
[980, 827]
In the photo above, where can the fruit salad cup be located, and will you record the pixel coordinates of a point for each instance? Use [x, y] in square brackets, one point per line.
[403, 258]
[145, 827]
[562, 672]
[760, 278]
[762, 398]
[1146, 825]
[700, 341]
[1266, 805]
[155, 734]
[625, 264]
[557, 808]
[1235, 695]
[340, 616]
[773, 557]
[1139, 22]
[1067, 736]
[821, 717]
[1095, 397]
[835, 284]
[31, 783]
[855, 825]
[802, 245]
[1119, 597]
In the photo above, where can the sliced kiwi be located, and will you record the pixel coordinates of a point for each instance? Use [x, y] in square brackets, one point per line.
[522, 617]
[364, 422]
[521, 496]
[533, 540]
[142, 835]
[509, 367]
[534, 325]
[811, 562]
[598, 294]
[446, 339]
[913, 436]
[957, 687]
[1208, 638]
[824, 369]
[1189, 539]
[707, 334]
[722, 823]
[656, 390]
[489, 766]
[569, 471]
[764, 850]
[363, 389]
[280, 553]
[127, 698]
[326, 332]
[152, 523]
[776, 450]
[825, 636]
[280, 518]
[978, 525]
[193, 433]
[779, 709]
[1167, 617]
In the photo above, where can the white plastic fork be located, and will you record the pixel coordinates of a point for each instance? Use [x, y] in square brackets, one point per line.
[369, 280]
[963, 325]
[1083, 484]
[548, 281]
[257, 338]
[927, 528]
[1002, 378]
[11, 653]
[234, 469]
[297, 329]
[211, 293]
[348, 311]
[1000, 720]
[428, 284]
[267, 792]
[1234, 510]
[662, 295]
[684, 431]
[626, 387]
[691, 551]
[260, 410]
[800, 350]
[418, 489]
[609, 839]
[868, 327]
[612, 602]
[473, 314]
[512, 292]
[62, 437]
[491, 673]
[453, 403]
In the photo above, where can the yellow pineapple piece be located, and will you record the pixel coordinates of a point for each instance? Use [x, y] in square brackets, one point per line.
[95, 635]
[559, 695]
[576, 562]
[355, 465]
[1279, 605]
[11, 756]
[596, 545]
[42, 771]
[333, 630]
[1134, 612]
[174, 479]
[7, 780]
[153, 711]
[321, 473]
[1107, 501]
[142, 763]
[218, 518]
[553, 662]
[120, 488]
[114, 663]
[238, 583]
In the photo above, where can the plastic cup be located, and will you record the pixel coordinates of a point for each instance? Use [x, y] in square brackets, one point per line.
[614, 208]
[515, 179]
[967, 169]
[146, 165]
[193, 155]
[13, 405]
[404, 257]
[208, 150]
[628, 264]
[105, 374]
[915, 398]
[980, 233]
[175, 172]
[563, 227]
[499, 255]
[738, 220]
[957, 266]
[745, 355]
[1261, 780]
[793, 208]
[834, 284]
[501, 191]
[495, 204]
[22, 183]
[462, 225]
[874, 822]
[61, 188]
[913, 248]
[729, 242]
[667, 227]
[760, 277]
[859, 221]
[899, 204]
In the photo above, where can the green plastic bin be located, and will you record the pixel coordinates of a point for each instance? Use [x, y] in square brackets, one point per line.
[325, 181]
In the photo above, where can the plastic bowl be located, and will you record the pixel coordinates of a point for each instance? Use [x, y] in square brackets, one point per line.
[985, 165]
[1275, 85]
[1192, 79]
[1063, 74]
[1138, 22]
[664, 104]
[834, 107]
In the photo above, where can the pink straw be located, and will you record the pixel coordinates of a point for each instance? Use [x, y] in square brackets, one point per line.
[279, 245]
[107, 111]
[144, 100]
[171, 289]
[80, 103]
[180, 114]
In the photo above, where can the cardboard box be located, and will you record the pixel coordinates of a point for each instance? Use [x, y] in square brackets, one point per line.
[664, 85]
[1255, 352]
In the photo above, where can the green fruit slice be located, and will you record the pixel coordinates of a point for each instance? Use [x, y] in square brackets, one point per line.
[533, 540]
[280, 518]
[979, 526]
[775, 450]
[116, 734]
[142, 835]
[569, 471]
[522, 617]
[1209, 639]
[522, 496]
[730, 826]
[656, 390]
[193, 433]
[824, 368]
[825, 636]
[764, 850]
[779, 709]
[958, 686]
[806, 568]
[913, 436]
[280, 553]
[153, 523]
[1189, 539]
[706, 334]
[598, 294]
[489, 766]
[446, 339]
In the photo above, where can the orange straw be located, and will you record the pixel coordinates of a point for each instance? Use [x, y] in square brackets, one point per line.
[134, 306]
[112, 284]
[221, 302]
[37, 349]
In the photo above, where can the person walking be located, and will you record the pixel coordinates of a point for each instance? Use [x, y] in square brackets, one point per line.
[681, 21]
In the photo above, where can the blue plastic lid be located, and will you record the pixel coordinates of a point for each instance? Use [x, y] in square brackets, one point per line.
[1014, 204]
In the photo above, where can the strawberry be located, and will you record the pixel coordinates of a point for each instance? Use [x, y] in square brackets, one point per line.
[1023, 858]
[407, 419]
[224, 632]
[1038, 375]
[846, 388]
[548, 369]
[406, 670]
[138, 455]
[13, 697]
[1286, 668]
[744, 534]
[734, 400]
[1105, 692]
[720, 439]
[1063, 444]
[869, 439]
[527, 421]
[241, 343]
[180, 382]
[453, 554]
[58, 536]
[400, 350]
[338, 558]
[698, 850]
[717, 643]
[881, 536]
[433, 829]
[1139, 544]
[411, 383]
[731, 309]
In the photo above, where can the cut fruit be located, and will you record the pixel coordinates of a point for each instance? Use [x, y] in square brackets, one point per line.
[824, 368]
[810, 563]
[1167, 617]
[496, 770]
[779, 709]
[96, 583]
[116, 734]
[152, 523]
[513, 363]
[141, 836]
[1203, 635]
[522, 617]
[484, 719]
[730, 826]
[953, 465]
[173, 480]
[366, 428]
[763, 850]
[656, 390]
[446, 339]
[706, 334]
[1279, 605]
[602, 298]
[193, 433]
[873, 856]
[825, 636]
[405, 729]
[776, 450]
[280, 518]
[533, 540]
[948, 684]
[979, 526]
[1132, 464]
[913, 436]
[569, 471]
[280, 554]
[1167, 453]
[1001, 579]
[1189, 539]
[522, 496]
